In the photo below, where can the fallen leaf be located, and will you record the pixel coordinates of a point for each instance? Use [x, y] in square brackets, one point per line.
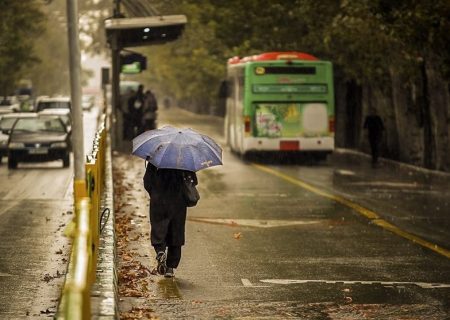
[237, 235]
[47, 278]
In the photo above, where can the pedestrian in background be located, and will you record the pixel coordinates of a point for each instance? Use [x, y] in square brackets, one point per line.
[166, 103]
[149, 111]
[375, 128]
[167, 215]
[135, 107]
[124, 108]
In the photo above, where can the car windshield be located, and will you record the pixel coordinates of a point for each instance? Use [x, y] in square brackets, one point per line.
[7, 123]
[6, 102]
[39, 125]
[53, 105]
[65, 119]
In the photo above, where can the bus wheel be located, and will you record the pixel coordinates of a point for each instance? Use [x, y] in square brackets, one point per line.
[246, 156]
[320, 157]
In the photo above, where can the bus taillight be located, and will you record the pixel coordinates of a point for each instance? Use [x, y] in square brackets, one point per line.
[331, 124]
[247, 124]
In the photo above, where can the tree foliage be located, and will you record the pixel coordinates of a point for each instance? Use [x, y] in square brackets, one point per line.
[364, 39]
[21, 22]
[51, 75]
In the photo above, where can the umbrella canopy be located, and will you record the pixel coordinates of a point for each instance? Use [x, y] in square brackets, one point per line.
[173, 148]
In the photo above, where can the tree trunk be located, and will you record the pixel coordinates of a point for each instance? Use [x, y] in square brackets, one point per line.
[407, 125]
[438, 99]
[353, 109]
[429, 150]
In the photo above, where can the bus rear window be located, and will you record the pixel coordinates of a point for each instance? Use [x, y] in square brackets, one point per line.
[285, 70]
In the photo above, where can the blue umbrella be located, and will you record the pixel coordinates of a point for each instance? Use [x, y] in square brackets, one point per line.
[173, 148]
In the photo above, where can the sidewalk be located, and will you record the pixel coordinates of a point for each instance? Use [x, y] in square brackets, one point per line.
[349, 156]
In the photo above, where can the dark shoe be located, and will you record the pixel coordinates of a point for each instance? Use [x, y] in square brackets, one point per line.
[169, 273]
[161, 259]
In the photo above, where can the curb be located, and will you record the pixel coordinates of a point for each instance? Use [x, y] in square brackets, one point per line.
[405, 168]
[104, 294]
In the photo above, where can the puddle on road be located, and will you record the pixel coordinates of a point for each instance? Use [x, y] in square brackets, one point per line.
[168, 288]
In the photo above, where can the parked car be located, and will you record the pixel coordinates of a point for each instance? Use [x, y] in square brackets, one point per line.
[52, 103]
[9, 104]
[39, 139]
[6, 123]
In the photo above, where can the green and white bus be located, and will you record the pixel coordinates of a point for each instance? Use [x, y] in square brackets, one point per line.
[280, 102]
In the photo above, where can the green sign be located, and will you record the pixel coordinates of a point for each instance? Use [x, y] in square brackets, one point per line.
[131, 68]
[290, 88]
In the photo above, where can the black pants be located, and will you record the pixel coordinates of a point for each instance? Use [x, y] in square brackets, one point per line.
[173, 254]
[375, 148]
[168, 219]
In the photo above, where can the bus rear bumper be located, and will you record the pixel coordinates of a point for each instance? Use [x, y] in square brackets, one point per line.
[321, 144]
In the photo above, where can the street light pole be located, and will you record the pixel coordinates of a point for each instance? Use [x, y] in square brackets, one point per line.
[116, 135]
[75, 94]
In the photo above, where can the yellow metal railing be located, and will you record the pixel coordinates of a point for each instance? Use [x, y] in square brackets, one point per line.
[85, 231]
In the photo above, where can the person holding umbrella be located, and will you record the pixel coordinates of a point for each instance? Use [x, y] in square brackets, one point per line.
[167, 215]
[173, 155]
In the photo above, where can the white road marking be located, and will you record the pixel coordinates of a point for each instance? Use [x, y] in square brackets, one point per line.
[247, 283]
[345, 172]
[424, 285]
[256, 223]
[259, 194]
[386, 184]
[5, 274]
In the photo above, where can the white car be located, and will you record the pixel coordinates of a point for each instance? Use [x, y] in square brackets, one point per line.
[53, 103]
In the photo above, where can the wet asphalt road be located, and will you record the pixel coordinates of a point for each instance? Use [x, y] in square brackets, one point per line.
[35, 205]
[267, 241]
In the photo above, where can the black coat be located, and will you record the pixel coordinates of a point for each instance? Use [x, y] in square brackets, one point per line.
[167, 205]
[374, 125]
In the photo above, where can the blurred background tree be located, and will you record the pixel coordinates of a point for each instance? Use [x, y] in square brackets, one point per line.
[51, 75]
[21, 22]
[390, 56]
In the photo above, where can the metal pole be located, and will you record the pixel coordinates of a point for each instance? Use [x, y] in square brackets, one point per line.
[116, 136]
[75, 93]
[116, 12]
[115, 94]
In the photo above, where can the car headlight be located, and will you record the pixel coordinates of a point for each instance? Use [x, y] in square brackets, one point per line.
[16, 145]
[58, 145]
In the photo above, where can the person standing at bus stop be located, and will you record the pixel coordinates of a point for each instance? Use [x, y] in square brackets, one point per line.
[149, 111]
[135, 109]
[375, 128]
